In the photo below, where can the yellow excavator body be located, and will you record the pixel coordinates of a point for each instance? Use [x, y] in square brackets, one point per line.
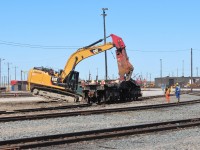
[40, 78]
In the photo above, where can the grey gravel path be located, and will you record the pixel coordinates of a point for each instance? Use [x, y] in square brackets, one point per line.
[160, 100]
[12, 130]
[186, 139]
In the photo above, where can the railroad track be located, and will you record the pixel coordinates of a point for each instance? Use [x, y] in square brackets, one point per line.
[44, 109]
[8, 95]
[44, 141]
[196, 93]
[92, 112]
[70, 106]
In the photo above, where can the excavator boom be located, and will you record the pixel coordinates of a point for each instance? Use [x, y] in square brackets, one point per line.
[124, 65]
[81, 54]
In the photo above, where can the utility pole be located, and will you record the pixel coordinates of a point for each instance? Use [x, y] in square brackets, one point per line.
[177, 72]
[147, 76]
[24, 75]
[21, 81]
[97, 75]
[197, 71]
[191, 71]
[150, 78]
[183, 69]
[5, 81]
[89, 76]
[0, 71]
[15, 72]
[161, 71]
[21, 75]
[104, 25]
[8, 75]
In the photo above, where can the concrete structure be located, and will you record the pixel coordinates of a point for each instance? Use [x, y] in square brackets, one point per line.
[170, 81]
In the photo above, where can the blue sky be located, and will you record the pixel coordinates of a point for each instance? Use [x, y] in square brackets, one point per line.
[152, 30]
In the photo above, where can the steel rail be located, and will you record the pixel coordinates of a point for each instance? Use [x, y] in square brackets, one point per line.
[8, 95]
[67, 106]
[45, 109]
[53, 108]
[196, 93]
[92, 112]
[72, 106]
[43, 141]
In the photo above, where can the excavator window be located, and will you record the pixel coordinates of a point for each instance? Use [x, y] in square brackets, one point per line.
[60, 72]
[51, 72]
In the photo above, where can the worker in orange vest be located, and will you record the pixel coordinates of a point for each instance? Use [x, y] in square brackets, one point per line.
[167, 94]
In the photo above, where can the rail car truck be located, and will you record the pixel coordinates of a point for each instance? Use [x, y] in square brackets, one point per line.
[63, 84]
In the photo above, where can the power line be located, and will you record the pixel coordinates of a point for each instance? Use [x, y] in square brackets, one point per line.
[157, 50]
[25, 45]
[37, 46]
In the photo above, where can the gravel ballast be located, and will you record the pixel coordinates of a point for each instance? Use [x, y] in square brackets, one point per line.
[185, 139]
[13, 130]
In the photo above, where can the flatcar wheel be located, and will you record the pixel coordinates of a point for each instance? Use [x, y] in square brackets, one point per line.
[87, 99]
[133, 98]
[103, 98]
[136, 98]
[98, 100]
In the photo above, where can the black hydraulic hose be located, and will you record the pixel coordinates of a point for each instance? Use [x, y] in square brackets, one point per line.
[95, 43]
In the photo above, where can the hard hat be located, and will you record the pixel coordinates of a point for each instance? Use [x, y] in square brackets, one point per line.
[176, 83]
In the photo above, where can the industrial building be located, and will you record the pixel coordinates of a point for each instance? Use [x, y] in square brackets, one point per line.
[183, 81]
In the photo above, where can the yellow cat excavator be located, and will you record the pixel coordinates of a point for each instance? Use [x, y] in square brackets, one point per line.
[63, 84]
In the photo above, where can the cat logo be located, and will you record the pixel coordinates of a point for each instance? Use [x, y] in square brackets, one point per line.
[54, 79]
[96, 51]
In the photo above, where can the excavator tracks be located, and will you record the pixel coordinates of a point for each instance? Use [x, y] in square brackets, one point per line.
[56, 94]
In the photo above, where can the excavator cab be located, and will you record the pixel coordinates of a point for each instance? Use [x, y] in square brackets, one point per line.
[72, 80]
